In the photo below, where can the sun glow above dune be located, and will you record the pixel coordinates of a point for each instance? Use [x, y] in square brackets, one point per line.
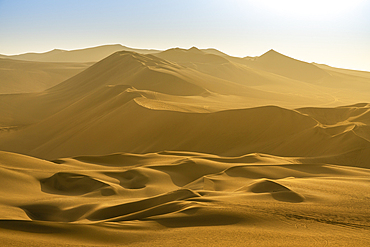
[321, 9]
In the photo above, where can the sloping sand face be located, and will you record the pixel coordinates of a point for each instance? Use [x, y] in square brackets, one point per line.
[28, 77]
[193, 198]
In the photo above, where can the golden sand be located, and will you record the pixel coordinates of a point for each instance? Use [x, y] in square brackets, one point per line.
[183, 148]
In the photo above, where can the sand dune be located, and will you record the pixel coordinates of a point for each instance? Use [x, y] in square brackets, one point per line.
[144, 72]
[80, 128]
[183, 109]
[148, 72]
[275, 72]
[92, 54]
[228, 68]
[271, 72]
[185, 148]
[178, 191]
[28, 77]
[231, 86]
[283, 65]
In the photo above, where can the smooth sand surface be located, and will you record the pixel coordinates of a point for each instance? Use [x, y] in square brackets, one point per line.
[188, 148]
[29, 77]
[182, 198]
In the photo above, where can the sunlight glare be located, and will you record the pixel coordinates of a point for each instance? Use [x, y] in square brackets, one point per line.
[323, 9]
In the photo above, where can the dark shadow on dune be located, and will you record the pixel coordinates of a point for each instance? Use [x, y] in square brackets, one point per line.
[288, 196]
[44, 212]
[58, 161]
[131, 179]
[264, 186]
[33, 227]
[65, 183]
[278, 192]
[143, 208]
[186, 170]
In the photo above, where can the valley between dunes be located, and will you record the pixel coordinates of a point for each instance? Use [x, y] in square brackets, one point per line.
[112, 146]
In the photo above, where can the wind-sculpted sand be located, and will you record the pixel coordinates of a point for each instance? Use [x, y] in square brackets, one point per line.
[186, 148]
[182, 198]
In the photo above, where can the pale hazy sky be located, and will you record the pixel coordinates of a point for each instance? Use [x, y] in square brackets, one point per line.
[336, 33]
